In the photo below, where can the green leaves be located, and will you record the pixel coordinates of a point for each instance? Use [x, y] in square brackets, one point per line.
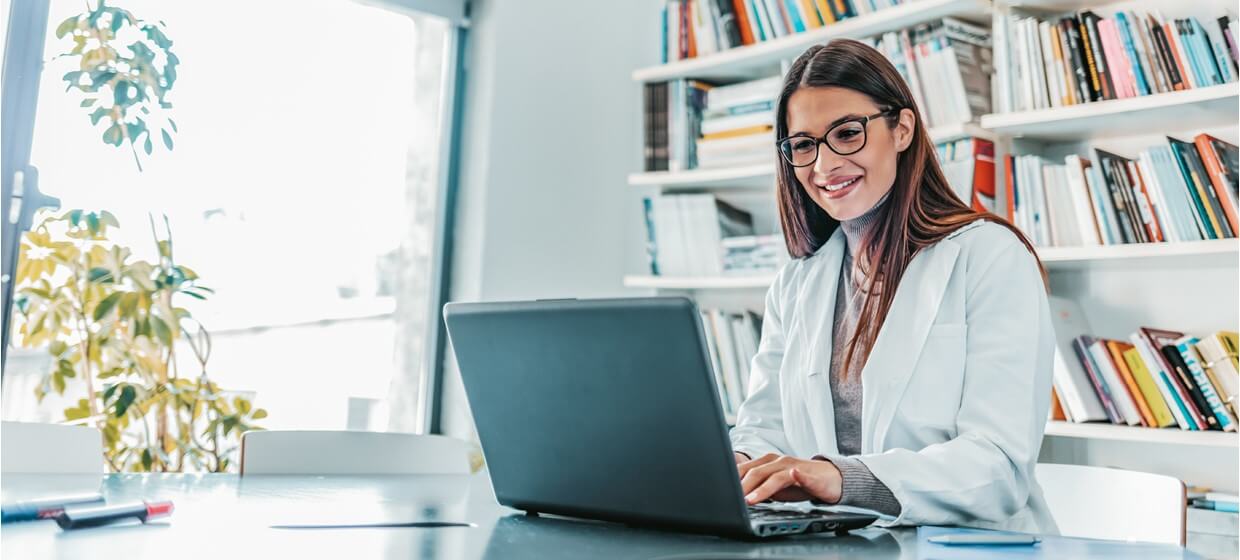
[123, 81]
[107, 304]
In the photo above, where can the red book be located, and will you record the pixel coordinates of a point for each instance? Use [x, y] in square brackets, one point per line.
[1146, 204]
[983, 175]
[1218, 177]
[1008, 192]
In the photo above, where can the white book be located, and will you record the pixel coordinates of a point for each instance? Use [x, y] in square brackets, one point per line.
[914, 80]
[1068, 218]
[1003, 66]
[1211, 522]
[748, 142]
[722, 97]
[735, 159]
[727, 357]
[1037, 68]
[755, 23]
[1162, 379]
[956, 89]
[1119, 391]
[712, 346]
[1170, 228]
[1078, 191]
[1039, 198]
[1077, 392]
[1104, 209]
[777, 20]
[742, 354]
[1055, 94]
[1175, 190]
[669, 252]
[1054, 208]
[764, 19]
[733, 122]
[703, 27]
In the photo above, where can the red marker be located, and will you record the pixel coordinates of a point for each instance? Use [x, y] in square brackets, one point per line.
[79, 517]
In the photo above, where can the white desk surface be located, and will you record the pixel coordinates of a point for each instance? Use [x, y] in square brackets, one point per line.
[225, 517]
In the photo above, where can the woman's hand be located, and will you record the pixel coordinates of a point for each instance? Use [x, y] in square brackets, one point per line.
[789, 479]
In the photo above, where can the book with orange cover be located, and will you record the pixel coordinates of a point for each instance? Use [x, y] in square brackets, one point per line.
[755, 129]
[1116, 350]
[1057, 412]
[1009, 193]
[1221, 171]
[741, 7]
[1159, 410]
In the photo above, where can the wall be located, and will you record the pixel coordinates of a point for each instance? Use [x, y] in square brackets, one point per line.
[552, 126]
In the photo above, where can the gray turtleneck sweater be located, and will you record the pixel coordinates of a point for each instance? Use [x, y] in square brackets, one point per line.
[860, 487]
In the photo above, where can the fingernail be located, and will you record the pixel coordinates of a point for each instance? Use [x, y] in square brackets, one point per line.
[749, 498]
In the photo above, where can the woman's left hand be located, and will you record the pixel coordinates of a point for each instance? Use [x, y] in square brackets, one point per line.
[789, 479]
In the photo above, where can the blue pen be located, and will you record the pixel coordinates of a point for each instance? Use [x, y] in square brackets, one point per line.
[46, 508]
[985, 539]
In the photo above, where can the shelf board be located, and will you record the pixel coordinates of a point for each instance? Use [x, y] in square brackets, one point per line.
[1142, 435]
[1180, 110]
[757, 281]
[762, 175]
[763, 59]
[1191, 254]
[1196, 254]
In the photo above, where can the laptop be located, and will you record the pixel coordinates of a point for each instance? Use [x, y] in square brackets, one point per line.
[607, 409]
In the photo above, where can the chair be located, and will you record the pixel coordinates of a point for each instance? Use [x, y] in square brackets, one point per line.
[27, 447]
[1114, 504]
[351, 452]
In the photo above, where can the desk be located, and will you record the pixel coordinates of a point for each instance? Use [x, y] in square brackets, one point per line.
[225, 516]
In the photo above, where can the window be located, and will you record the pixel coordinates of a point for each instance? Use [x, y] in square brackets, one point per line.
[303, 187]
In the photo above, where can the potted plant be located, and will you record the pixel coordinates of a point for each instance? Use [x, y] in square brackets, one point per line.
[113, 323]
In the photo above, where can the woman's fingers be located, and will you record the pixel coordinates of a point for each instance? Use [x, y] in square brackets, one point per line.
[777, 481]
[758, 474]
[744, 468]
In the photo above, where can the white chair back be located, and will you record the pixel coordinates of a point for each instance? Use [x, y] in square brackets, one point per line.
[50, 449]
[1114, 504]
[351, 452]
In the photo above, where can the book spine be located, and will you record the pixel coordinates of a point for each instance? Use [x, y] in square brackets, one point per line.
[1183, 395]
[1114, 352]
[1173, 356]
[1189, 353]
[652, 245]
[1081, 346]
[1106, 85]
[1146, 207]
[1110, 377]
[1130, 48]
[1166, 387]
[1175, 80]
[1218, 179]
[1126, 227]
[1160, 412]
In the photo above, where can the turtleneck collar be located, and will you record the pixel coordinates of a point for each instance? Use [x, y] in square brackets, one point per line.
[856, 228]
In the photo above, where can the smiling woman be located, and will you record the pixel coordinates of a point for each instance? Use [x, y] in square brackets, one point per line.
[905, 359]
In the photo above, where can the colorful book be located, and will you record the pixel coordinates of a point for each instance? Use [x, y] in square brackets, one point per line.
[1159, 410]
[1161, 343]
[1124, 402]
[1080, 347]
[1188, 351]
[1221, 160]
[1220, 364]
[1194, 176]
[1167, 387]
[1115, 351]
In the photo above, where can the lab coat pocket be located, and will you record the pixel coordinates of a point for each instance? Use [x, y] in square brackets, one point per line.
[932, 398]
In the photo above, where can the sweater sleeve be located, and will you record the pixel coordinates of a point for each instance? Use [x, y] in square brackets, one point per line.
[861, 488]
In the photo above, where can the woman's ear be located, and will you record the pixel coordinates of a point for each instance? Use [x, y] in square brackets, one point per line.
[903, 131]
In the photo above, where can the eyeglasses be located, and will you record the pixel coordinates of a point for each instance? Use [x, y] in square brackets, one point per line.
[845, 138]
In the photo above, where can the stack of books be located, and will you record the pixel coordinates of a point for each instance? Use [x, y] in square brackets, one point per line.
[1212, 523]
[948, 67]
[1157, 378]
[693, 28]
[732, 339]
[1083, 58]
[969, 165]
[1178, 191]
[738, 124]
[754, 254]
[673, 122]
[685, 233]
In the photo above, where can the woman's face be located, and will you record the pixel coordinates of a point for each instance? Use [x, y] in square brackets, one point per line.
[847, 186]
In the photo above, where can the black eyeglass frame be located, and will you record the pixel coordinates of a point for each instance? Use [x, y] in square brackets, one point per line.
[818, 141]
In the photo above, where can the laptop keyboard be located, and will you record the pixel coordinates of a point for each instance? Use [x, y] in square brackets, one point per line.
[758, 513]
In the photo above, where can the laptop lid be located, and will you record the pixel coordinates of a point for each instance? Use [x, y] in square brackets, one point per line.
[599, 408]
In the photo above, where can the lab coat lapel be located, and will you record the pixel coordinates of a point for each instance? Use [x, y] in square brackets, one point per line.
[901, 339]
[819, 293]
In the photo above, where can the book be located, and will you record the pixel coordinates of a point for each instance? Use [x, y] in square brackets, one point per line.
[1200, 188]
[1115, 350]
[1218, 353]
[1221, 160]
[1169, 390]
[1175, 359]
[1081, 347]
[1157, 341]
[1160, 413]
[1078, 396]
[1188, 351]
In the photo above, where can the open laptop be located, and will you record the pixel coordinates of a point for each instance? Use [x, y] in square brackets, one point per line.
[607, 409]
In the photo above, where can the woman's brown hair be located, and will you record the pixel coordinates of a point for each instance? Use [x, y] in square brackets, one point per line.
[921, 208]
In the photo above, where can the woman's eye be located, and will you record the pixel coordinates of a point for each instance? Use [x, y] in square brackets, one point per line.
[847, 134]
[803, 145]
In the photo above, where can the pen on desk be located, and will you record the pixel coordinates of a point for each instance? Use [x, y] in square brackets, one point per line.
[984, 539]
[80, 517]
[45, 508]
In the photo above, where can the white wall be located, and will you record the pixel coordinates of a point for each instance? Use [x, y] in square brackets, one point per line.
[552, 126]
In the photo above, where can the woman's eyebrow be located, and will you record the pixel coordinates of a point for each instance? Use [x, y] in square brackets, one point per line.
[847, 117]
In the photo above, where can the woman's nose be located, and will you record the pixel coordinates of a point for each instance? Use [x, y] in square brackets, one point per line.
[827, 161]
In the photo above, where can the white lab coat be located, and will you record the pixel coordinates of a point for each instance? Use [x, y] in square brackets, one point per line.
[955, 392]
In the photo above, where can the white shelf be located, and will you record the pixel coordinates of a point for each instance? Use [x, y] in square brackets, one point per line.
[763, 59]
[700, 283]
[1143, 435]
[1192, 254]
[1180, 110]
[1196, 254]
[762, 175]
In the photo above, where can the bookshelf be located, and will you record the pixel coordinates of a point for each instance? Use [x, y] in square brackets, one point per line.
[763, 59]
[1120, 286]
[1194, 108]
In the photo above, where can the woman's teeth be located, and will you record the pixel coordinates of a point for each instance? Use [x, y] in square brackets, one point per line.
[838, 186]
